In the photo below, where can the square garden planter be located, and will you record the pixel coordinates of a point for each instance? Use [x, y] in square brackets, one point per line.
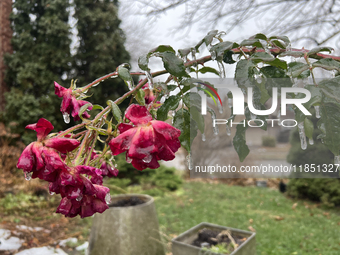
[182, 245]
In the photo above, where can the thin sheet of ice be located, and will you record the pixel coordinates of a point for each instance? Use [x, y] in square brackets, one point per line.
[68, 240]
[42, 251]
[84, 246]
[9, 243]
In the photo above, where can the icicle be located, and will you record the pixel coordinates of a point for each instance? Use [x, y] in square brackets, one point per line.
[220, 108]
[213, 118]
[203, 137]
[215, 130]
[66, 117]
[230, 103]
[189, 161]
[279, 117]
[317, 111]
[173, 116]
[80, 197]
[193, 54]
[28, 176]
[311, 141]
[128, 160]
[252, 116]
[228, 130]
[108, 198]
[95, 85]
[130, 84]
[147, 159]
[221, 69]
[114, 76]
[213, 55]
[337, 159]
[302, 134]
[150, 81]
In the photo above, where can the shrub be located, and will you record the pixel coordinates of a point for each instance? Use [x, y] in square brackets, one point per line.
[268, 141]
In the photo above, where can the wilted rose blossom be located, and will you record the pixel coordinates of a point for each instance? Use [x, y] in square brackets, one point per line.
[41, 158]
[147, 140]
[106, 166]
[70, 105]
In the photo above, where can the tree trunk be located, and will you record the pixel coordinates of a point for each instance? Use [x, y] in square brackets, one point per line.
[5, 44]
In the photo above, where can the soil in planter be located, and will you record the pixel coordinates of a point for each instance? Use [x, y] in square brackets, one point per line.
[209, 238]
[131, 201]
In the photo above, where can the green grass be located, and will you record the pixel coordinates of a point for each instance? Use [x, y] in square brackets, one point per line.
[303, 230]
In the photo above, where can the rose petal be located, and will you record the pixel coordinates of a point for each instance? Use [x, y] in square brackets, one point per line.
[43, 127]
[59, 90]
[26, 161]
[139, 164]
[122, 127]
[63, 145]
[138, 114]
[122, 142]
[64, 206]
[143, 143]
[165, 129]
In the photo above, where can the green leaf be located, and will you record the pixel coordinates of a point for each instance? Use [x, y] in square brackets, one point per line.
[163, 48]
[184, 52]
[244, 73]
[115, 110]
[278, 63]
[188, 128]
[285, 39]
[260, 36]
[143, 62]
[299, 70]
[276, 78]
[97, 107]
[173, 64]
[219, 49]
[170, 104]
[327, 64]
[309, 128]
[83, 109]
[124, 73]
[279, 44]
[208, 69]
[140, 96]
[198, 118]
[192, 99]
[209, 37]
[320, 49]
[228, 57]
[262, 56]
[249, 42]
[239, 142]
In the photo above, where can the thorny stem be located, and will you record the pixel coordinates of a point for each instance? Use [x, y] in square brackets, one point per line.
[71, 129]
[81, 148]
[92, 148]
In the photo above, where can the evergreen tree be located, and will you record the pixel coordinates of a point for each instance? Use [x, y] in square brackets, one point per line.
[41, 55]
[101, 47]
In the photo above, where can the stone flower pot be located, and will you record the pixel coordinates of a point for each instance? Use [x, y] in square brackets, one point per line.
[181, 245]
[127, 230]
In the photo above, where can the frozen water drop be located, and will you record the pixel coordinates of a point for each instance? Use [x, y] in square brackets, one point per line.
[128, 159]
[189, 161]
[215, 130]
[108, 198]
[130, 84]
[66, 117]
[252, 116]
[337, 159]
[203, 137]
[95, 85]
[147, 159]
[221, 69]
[220, 108]
[230, 103]
[317, 111]
[80, 197]
[311, 141]
[114, 76]
[52, 193]
[213, 55]
[302, 135]
[28, 176]
[150, 81]
[228, 130]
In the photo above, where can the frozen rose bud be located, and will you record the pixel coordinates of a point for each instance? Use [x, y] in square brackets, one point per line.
[70, 104]
[109, 170]
[147, 141]
[42, 157]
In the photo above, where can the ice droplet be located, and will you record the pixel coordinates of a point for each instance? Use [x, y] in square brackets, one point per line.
[66, 117]
[311, 141]
[189, 161]
[28, 176]
[252, 116]
[279, 117]
[114, 76]
[230, 102]
[337, 159]
[213, 55]
[317, 111]
[108, 198]
[228, 130]
[128, 160]
[302, 134]
[147, 159]
[220, 108]
[52, 193]
[95, 85]
[221, 69]
[150, 81]
[130, 84]
[80, 197]
[203, 137]
[215, 130]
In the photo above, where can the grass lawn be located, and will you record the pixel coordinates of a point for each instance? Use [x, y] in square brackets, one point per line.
[280, 229]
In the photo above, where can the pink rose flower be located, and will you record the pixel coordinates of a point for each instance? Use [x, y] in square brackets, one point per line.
[145, 141]
[70, 105]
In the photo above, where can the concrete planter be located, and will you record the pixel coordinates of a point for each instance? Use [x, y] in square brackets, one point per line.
[128, 230]
[181, 245]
